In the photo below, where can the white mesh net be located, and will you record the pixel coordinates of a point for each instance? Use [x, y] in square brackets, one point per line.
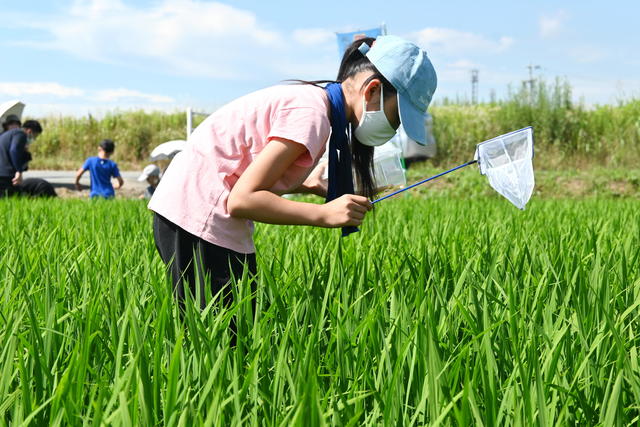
[506, 160]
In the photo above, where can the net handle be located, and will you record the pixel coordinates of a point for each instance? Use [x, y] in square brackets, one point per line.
[423, 181]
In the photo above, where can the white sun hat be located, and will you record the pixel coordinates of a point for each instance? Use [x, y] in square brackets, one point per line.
[167, 150]
[11, 108]
[149, 170]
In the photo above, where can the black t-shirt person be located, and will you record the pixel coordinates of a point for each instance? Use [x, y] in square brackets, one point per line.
[13, 152]
[14, 157]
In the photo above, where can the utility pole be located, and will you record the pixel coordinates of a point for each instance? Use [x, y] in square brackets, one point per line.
[474, 86]
[531, 80]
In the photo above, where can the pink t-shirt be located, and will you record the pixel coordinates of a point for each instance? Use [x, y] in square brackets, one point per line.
[194, 189]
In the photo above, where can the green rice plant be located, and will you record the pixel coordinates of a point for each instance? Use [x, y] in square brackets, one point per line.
[440, 311]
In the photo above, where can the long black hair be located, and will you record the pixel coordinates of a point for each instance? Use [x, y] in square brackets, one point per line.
[354, 62]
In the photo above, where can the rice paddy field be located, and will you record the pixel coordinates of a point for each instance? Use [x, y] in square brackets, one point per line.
[441, 311]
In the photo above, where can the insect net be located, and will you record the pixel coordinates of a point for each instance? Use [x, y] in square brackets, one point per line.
[507, 161]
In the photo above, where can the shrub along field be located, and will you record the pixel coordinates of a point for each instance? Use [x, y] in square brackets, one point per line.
[440, 311]
[568, 135]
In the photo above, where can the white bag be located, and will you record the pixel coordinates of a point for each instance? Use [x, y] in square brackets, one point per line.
[507, 162]
[410, 148]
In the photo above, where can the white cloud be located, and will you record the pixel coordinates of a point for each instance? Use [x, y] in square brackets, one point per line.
[552, 25]
[463, 63]
[187, 37]
[454, 42]
[112, 95]
[460, 73]
[321, 68]
[181, 37]
[40, 110]
[52, 93]
[18, 89]
[602, 91]
[587, 54]
[314, 36]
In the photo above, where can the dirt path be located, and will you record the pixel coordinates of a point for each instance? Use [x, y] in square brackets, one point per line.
[63, 182]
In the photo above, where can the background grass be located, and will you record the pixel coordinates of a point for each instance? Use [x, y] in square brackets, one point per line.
[568, 135]
[67, 141]
[440, 311]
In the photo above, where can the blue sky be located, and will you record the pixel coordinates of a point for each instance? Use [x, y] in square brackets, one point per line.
[80, 56]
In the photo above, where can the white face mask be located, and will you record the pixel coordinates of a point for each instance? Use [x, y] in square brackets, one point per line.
[374, 128]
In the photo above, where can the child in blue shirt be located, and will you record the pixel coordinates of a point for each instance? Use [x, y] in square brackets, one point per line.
[101, 170]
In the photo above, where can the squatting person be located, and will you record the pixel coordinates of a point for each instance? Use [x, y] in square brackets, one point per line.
[15, 158]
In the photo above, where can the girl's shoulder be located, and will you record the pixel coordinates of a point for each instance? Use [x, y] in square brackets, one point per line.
[300, 93]
[286, 96]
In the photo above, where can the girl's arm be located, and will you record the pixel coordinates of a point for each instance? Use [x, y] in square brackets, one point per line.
[250, 198]
[315, 184]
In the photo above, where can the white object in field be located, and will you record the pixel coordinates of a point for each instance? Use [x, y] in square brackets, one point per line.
[149, 170]
[189, 121]
[167, 150]
[410, 148]
[387, 166]
[11, 107]
[190, 115]
[507, 161]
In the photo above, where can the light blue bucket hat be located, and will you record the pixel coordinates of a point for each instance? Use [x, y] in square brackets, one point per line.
[411, 73]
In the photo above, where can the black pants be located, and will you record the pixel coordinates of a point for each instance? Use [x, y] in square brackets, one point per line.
[186, 255]
[35, 187]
